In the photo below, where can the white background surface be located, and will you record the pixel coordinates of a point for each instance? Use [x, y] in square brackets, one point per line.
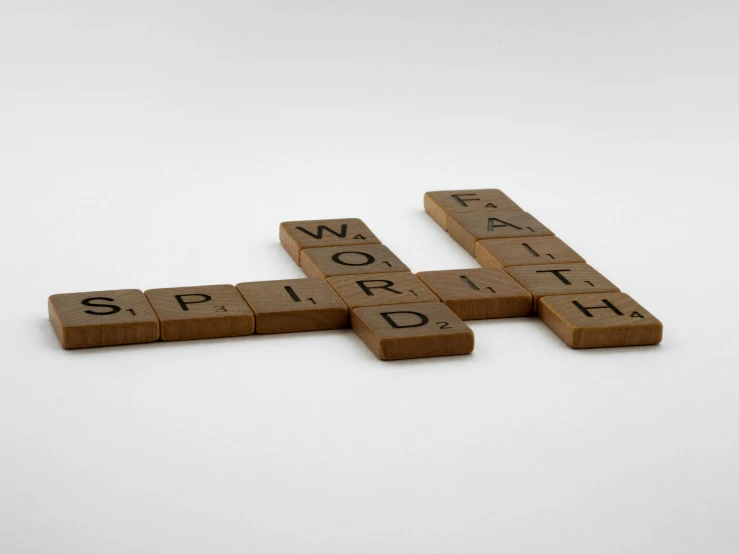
[159, 144]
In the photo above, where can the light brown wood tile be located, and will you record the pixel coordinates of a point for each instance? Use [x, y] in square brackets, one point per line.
[349, 260]
[376, 289]
[317, 233]
[468, 228]
[500, 253]
[206, 312]
[479, 293]
[555, 279]
[599, 320]
[103, 318]
[419, 330]
[294, 305]
[441, 204]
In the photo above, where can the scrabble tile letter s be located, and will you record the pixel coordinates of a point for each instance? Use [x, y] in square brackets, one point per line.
[103, 318]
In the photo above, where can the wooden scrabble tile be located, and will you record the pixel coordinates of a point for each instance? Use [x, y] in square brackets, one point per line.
[500, 253]
[441, 204]
[296, 235]
[555, 279]
[599, 320]
[468, 228]
[207, 312]
[479, 293]
[349, 260]
[293, 305]
[376, 289]
[103, 318]
[419, 330]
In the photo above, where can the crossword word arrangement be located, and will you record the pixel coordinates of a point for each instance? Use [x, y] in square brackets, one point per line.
[353, 280]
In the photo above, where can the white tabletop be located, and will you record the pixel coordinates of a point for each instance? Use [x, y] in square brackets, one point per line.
[161, 144]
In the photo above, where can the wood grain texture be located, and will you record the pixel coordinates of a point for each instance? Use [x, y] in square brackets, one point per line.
[600, 320]
[377, 289]
[103, 318]
[468, 228]
[441, 204]
[556, 279]
[501, 253]
[203, 312]
[479, 293]
[294, 305]
[349, 260]
[419, 330]
[317, 233]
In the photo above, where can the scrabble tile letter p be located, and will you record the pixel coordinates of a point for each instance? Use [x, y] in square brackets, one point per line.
[206, 312]
[103, 318]
[296, 235]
